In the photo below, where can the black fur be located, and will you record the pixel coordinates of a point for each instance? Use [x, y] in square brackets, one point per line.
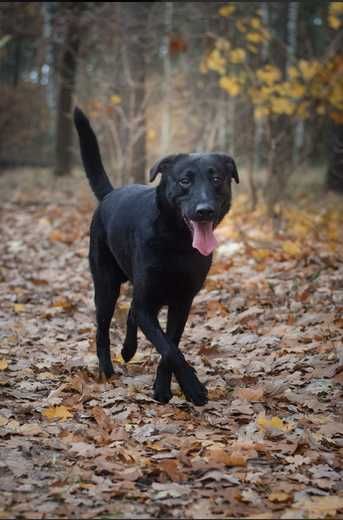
[141, 234]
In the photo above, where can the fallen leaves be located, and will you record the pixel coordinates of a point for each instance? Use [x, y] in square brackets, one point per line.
[264, 335]
[3, 364]
[57, 413]
[275, 423]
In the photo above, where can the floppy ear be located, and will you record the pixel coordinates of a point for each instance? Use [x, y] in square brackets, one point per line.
[230, 164]
[162, 165]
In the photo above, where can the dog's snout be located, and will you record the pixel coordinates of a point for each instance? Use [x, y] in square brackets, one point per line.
[204, 211]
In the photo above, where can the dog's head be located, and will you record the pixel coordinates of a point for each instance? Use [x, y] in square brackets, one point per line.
[196, 189]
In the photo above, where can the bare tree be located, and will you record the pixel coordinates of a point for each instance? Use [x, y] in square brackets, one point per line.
[71, 12]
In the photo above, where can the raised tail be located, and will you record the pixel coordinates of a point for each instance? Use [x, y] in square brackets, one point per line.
[91, 158]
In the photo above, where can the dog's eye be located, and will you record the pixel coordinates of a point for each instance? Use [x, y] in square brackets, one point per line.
[185, 182]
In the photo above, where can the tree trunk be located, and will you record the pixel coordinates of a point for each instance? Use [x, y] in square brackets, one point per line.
[166, 126]
[335, 171]
[68, 69]
[135, 23]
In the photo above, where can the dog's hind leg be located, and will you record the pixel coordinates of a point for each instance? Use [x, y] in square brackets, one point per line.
[130, 342]
[107, 278]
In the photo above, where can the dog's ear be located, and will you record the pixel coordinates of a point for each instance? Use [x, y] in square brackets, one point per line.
[163, 165]
[229, 164]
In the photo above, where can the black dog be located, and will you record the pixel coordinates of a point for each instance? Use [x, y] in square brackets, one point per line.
[161, 239]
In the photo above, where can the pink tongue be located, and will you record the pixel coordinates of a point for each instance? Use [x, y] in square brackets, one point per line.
[203, 238]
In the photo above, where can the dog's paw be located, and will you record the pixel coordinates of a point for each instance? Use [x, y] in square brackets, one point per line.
[190, 385]
[128, 351]
[162, 395]
[106, 372]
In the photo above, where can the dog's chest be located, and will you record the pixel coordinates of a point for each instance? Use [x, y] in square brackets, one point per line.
[174, 276]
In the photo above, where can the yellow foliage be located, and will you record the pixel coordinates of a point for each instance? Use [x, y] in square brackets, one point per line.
[230, 84]
[291, 248]
[252, 49]
[237, 56]
[308, 68]
[115, 100]
[294, 90]
[293, 72]
[281, 105]
[255, 23]
[254, 37]
[261, 112]
[268, 74]
[334, 22]
[240, 26]
[222, 44]
[216, 62]
[336, 95]
[336, 8]
[227, 10]
[303, 110]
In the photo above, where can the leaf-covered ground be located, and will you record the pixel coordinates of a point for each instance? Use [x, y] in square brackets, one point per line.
[265, 335]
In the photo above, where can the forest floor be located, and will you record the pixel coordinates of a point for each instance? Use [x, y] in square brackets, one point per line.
[265, 335]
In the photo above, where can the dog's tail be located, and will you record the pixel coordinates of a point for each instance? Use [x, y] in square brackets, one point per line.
[91, 158]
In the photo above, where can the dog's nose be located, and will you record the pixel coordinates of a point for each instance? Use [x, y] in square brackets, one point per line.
[204, 211]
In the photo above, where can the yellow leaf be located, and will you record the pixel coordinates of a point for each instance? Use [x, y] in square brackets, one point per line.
[296, 90]
[336, 8]
[278, 496]
[268, 74]
[230, 84]
[303, 110]
[254, 37]
[227, 10]
[291, 248]
[216, 62]
[237, 56]
[3, 364]
[308, 68]
[334, 22]
[151, 135]
[115, 100]
[261, 112]
[293, 72]
[240, 26]
[19, 307]
[281, 106]
[222, 44]
[274, 423]
[57, 412]
[255, 23]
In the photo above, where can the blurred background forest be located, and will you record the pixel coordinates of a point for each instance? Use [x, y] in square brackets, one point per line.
[262, 81]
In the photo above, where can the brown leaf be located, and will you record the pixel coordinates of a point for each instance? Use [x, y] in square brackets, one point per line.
[250, 394]
[172, 469]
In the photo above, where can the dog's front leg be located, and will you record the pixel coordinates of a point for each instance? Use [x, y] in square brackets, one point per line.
[171, 356]
[177, 318]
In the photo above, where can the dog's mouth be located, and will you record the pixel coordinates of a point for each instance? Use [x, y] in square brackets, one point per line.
[203, 238]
